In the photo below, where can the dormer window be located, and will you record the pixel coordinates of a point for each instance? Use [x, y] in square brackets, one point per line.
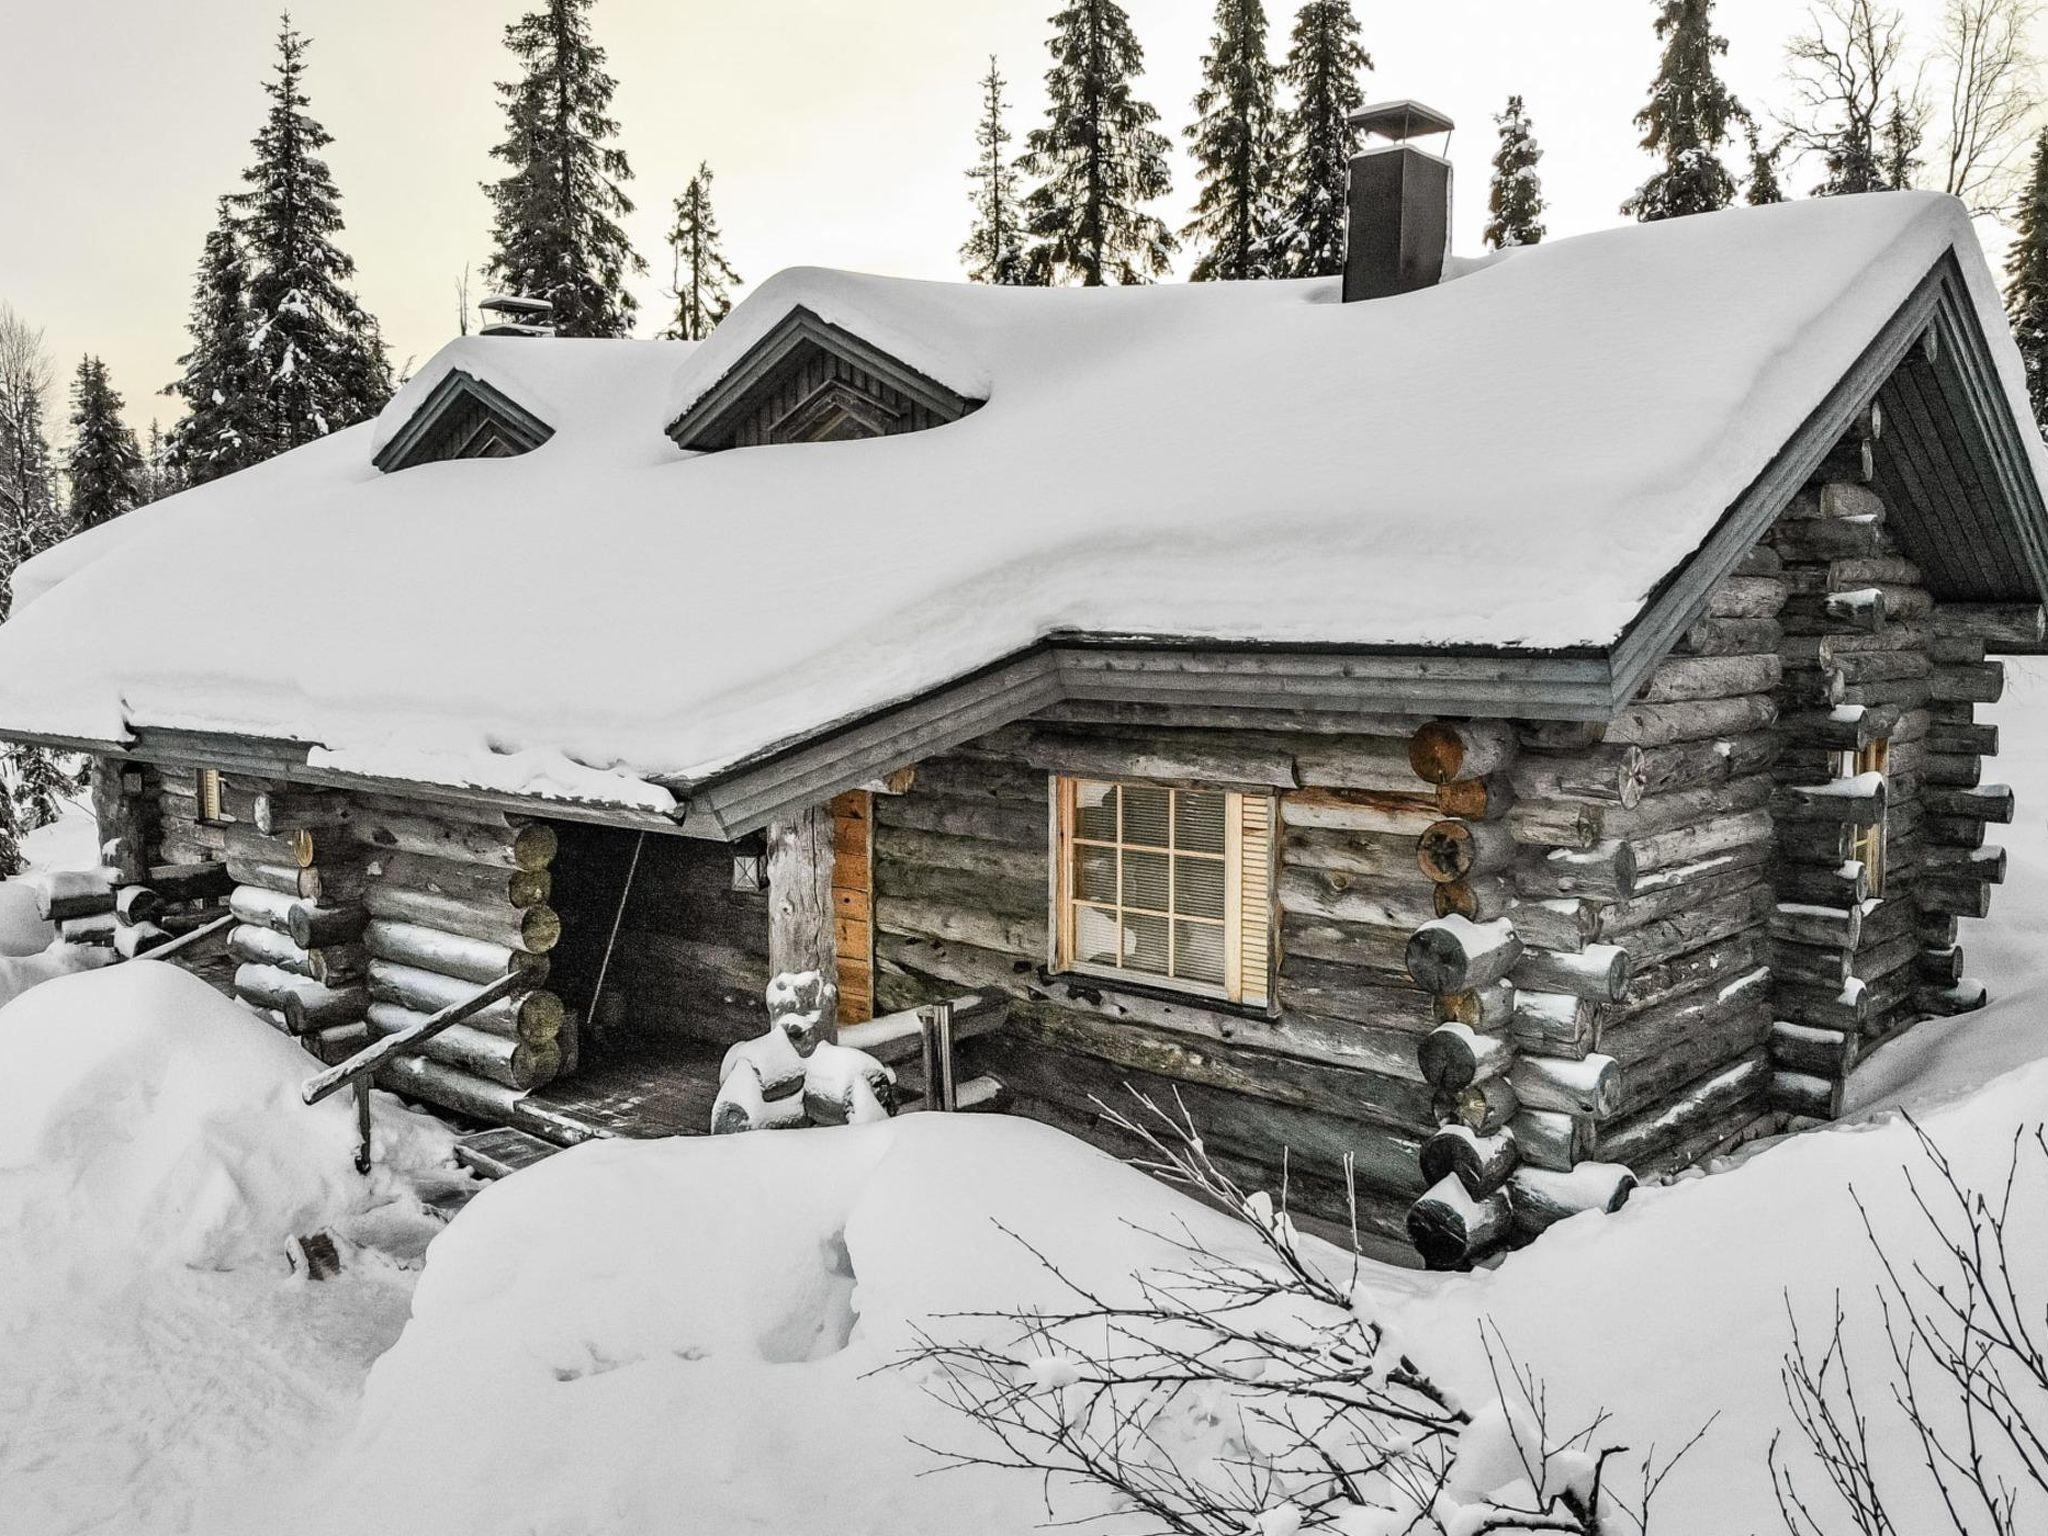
[809, 381]
[463, 418]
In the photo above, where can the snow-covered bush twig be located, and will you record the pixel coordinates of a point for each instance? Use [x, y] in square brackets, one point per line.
[1233, 1396]
[1966, 1330]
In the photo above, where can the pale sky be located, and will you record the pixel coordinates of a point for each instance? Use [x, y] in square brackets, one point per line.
[838, 132]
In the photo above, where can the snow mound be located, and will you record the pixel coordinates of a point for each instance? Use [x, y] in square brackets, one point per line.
[23, 928]
[147, 1121]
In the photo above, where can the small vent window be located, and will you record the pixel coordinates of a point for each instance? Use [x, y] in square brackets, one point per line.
[1869, 844]
[210, 811]
[1166, 885]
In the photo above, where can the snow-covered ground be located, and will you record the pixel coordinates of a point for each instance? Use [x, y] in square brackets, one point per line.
[689, 1335]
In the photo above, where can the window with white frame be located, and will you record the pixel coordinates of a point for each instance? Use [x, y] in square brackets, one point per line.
[1165, 885]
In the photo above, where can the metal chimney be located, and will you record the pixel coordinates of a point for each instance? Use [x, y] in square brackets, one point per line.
[507, 314]
[1400, 204]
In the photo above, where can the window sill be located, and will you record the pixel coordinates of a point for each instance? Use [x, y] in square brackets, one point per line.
[1095, 988]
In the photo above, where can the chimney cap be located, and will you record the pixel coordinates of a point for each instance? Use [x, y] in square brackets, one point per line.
[1398, 120]
[515, 304]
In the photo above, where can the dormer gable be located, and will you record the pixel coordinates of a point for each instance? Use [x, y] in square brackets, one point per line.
[809, 381]
[463, 418]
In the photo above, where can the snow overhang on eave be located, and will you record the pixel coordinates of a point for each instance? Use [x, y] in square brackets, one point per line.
[414, 443]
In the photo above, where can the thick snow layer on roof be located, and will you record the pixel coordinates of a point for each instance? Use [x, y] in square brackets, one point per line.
[1514, 458]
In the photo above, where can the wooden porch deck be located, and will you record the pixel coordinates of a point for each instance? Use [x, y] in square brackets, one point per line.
[656, 1085]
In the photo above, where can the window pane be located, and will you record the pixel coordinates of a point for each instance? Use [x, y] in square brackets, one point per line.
[1145, 813]
[1198, 887]
[1095, 874]
[1145, 879]
[1095, 812]
[1198, 952]
[1094, 936]
[1144, 943]
[1198, 821]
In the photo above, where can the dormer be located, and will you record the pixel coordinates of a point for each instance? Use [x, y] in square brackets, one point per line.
[809, 381]
[463, 418]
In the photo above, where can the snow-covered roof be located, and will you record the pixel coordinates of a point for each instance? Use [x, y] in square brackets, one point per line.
[1514, 459]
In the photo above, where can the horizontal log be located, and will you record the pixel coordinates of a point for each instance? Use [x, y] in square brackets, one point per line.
[1839, 885]
[1829, 1053]
[1983, 683]
[1375, 854]
[178, 883]
[300, 849]
[1481, 1163]
[1705, 924]
[1453, 954]
[2009, 627]
[1481, 898]
[1323, 893]
[266, 946]
[1799, 1093]
[464, 1092]
[1487, 1009]
[1452, 1057]
[502, 1059]
[1856, 802]
[990, 822]
[1746, 597]
[1815, 965]
[1604, 872]
[1733, 637]
[1642, 1141]
[1606, 772]
[1217, 757]
[1485, 1106]
[275, 812]
[1355, 811]
[1642, 1034]
[1802, 923]
[1710, 678]
[450, 954]
[1963, 737]
[1721, 1037]
[1656, 725]
[1542, 1197]
[531, 846]
[1564, 922]
[1984, 864]
[534, 1017]
[1599, 971]
[1961, 898]
[1828, 538]
[482, 884]
[1451, 1230]
[1444, 751]
[1822, 1007]
[1555, 1024]
[1456, 850]
[306, 1004]
[1329, 990]
[1985, 802]
[1688, 845]
[1547, 1139]
[535, 929]
[1966, 996]
[1590, 1086]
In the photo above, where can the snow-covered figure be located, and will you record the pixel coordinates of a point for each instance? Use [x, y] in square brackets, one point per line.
[1235, 139]
[105, 466]
[703, 279]
[556, 225]
[1098, 158]
[318, 358]
[219, 433]
[792, 1075]
[1324, 63]
[2026, 291]
[1686, 120]
[1515, 204]
[994, 252]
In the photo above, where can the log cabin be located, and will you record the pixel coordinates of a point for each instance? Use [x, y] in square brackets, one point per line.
[1497, 729]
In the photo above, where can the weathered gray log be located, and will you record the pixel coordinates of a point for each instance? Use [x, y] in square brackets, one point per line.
[1854, 802]
[1588, 1086]
[306, 1004]
[286, 879]
[1963, 737]
[1558, 823]
[1452, 1057]
[1734, 637]
[1844, 538]
[292, 810]
[266, 946]
[1963, 898]
[1447, 750]
[1453, 954]
[1487, 1009]
[483, 884]
[1368, 946]
[1560, 922]
[1800, 1093]
[1812, 964]
[1371, 854]
[1954, 771]
[530, 846]
[505, 1059]
[1606, 772]
[137, 904]
[1481, 898]
[1485, 1106]
[535, 1016]
[1657, 725]
[534, 929]
[1451, 1230]
[2010, 627]
[1218, 757]
[1541, 1197]
[1983, 683]
[1639, 1034]
[293, 849]
[1939, 967]
[1802, 923]
[1454, 850]
[406, 1041]
[450, 954]
[60, 906]
[800, 911]
[1721, 677]
[1819, 1052]
[1986, 802]
[1548, 1139]
[464, 1092]
[317, 927]
[1709, 922]
[1604, 872]
[132, 939]
[1822, 1007]
[1555, 1024]
[178, 883]
[1639, 1141]
[1688, 845]
[1482, 1163]
[1746, 597]
[1321, 893]
[1945, 862]
[1408, 815]
[1966, 996]
[1598, 971]
[1722, 1036]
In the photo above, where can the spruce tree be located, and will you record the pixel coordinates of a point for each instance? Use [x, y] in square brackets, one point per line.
[703, 279]
[1098, 157]
[10, 833]
[2026, 289]
[319, 362]
[105, 466]
[1686, 119]
[39, 787]
[1516, 200]
[1902, 135]
[1764, 185]
[159, 476]
[556, 213]
[1324, 63]
[221, 431]
[1236, 144]
[994, 252]
[31, 520]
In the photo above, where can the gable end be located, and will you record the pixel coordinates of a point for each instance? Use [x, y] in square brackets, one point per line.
[808, 380]
[463, 418]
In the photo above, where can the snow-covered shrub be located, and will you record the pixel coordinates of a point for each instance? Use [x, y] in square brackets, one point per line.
[1262, 1396]
[1963, 1304]
[145, 1120]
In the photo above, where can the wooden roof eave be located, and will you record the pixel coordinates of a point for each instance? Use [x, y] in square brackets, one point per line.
[413, 442]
